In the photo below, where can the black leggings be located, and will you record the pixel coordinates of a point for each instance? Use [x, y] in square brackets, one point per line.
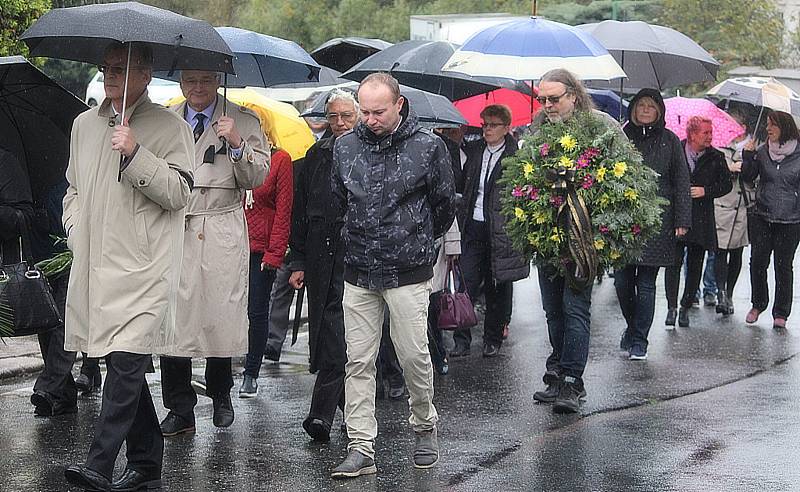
[726, 269]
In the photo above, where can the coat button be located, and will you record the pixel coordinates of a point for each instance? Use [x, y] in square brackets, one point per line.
[141, 182]
[203, 191]
[200, 236]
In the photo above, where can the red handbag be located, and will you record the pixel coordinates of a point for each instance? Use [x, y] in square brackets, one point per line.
[455, 306]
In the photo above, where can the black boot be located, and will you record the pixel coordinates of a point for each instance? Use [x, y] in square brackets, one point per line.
[672, 313]
[723, 303]
[683, 317]
[569, 396]
[223, 410]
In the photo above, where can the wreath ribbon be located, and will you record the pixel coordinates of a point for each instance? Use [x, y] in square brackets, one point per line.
[573, 217]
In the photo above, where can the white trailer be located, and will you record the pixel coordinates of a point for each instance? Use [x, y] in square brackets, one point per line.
[455, 28]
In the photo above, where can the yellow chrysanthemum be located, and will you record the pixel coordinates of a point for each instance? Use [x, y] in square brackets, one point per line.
[527, 169]
[619, 169]
[614, 255]
[601, 175]
[533, 240]
[566, 162]
[604, 200]
[555, 236]
[540, 217]
[599, 244]
[631, 194]
[519, 213]
[568, 142]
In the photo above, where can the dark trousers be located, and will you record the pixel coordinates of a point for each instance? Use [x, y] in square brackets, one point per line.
[328, 395]
[90, 365]
[636, 292]
[128, 416]
[568, 322]
[768, 238]
[257, 312]
[56, 380]
[694, 272]
[476, 263]
[435, 341]
[727, 265]
[389, 374]
[176, 382]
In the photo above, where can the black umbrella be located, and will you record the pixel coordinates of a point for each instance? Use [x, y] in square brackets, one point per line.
[419, 64]
[433, 110]
[36, 117]
[83, 34]
[342, 53]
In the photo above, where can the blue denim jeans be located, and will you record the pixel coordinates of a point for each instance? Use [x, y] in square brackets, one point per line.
[568, 318]
[260, 287]
[636, 292]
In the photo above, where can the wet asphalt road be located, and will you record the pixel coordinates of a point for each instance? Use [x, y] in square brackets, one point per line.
[715, 407]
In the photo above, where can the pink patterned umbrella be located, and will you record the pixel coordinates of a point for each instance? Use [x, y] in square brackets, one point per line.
[680, 109]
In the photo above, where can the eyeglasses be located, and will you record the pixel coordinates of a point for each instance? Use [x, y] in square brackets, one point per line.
[112, 70]
[333, 117]
[551, 99]
[491, 125]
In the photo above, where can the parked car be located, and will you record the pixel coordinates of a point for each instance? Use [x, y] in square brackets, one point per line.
[160, 91]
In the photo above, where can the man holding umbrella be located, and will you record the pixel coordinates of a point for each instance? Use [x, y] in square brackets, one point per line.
[124, 221]
[231, 157]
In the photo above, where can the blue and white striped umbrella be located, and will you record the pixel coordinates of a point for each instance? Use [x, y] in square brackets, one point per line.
[526, 49]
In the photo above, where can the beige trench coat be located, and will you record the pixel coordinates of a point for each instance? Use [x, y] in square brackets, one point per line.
[451, 245]
[212, 298]
[126, 231]
[730, 211]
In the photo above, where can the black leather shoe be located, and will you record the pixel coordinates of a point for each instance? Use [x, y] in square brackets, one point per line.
[86, 478]
[683, 318]
[223, 410]
[397, 392]
[460, 350]
[42, 403]
[173, 424]
[317, 429]
[672, 313]
[569, 396]
[491, 350]
[133, 480]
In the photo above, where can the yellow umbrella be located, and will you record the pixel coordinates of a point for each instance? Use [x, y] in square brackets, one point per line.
[281, 122]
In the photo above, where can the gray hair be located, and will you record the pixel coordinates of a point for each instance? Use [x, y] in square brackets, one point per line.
[217, 75]
[583, 102]
[340, 95]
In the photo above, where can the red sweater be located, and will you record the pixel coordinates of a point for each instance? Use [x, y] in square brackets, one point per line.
[269, 220]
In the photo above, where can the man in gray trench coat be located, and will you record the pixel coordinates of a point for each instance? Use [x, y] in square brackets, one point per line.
[124, 223]
[231, 156]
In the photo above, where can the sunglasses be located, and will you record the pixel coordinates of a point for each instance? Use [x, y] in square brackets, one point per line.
[112, 70]
[551, 99]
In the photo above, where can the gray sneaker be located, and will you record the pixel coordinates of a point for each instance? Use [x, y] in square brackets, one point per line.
[355, 465]
[249, 387]
[426, 452]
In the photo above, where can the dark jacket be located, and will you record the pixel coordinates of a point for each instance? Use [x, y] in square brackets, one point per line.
[508, 264]
[15, 195]
[711, 172]
[777, 197]
[315, 247]
[662, 151]
[398, 195]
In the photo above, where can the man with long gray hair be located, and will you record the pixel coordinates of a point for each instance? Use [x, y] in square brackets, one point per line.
[562, 96]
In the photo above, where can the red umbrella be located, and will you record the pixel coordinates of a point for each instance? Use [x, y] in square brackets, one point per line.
[519, 103]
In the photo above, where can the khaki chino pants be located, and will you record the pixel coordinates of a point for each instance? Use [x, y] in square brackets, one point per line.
[363, 319]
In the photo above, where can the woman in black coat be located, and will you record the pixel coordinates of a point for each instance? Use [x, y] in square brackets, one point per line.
[774, 220]
[636, 283]
[710, 179]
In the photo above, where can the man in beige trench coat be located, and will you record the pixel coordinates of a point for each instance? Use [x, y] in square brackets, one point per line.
[231, 156]
[124, 222]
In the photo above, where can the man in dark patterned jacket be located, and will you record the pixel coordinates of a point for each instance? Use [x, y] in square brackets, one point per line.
[395, 183]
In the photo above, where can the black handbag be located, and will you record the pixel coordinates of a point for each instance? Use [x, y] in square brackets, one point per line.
[25, 295]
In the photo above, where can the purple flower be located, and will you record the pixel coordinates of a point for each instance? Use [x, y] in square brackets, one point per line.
[582, 162]
[517, 192]
[587, 182]
[556, 201]
[544, 149]
[533, 194]
[604, 229]
[636, 229]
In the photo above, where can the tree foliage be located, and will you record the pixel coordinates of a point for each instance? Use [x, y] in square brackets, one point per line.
[15, 17]
[733, 31]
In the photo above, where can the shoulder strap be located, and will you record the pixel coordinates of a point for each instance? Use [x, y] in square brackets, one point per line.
[24, 238]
